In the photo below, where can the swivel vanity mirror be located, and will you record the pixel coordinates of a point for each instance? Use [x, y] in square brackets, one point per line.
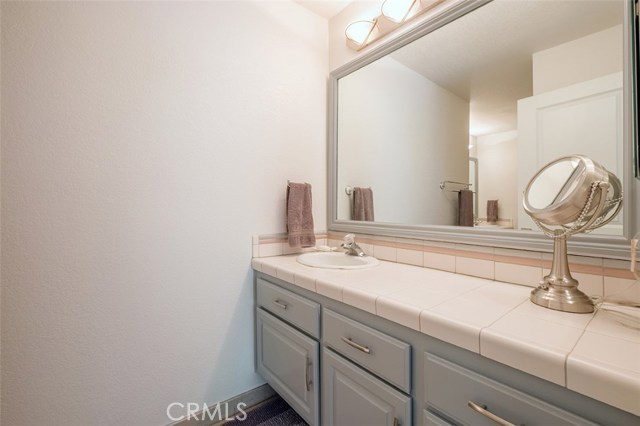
[567, 196]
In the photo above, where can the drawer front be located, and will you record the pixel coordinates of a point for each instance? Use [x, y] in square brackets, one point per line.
[288, 360]
[450, 388]
[379, 353]
[294, 309]
[431, 419]
[353, 397]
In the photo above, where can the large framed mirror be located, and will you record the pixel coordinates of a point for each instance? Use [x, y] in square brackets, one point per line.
[477, 98]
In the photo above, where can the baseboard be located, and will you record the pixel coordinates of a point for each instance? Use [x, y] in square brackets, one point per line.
[249, 399]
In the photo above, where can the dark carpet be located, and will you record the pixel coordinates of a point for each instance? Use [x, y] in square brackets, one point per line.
[274, 412]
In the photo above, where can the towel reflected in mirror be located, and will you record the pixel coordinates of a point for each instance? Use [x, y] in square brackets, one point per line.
[362, 208]
[465, 207]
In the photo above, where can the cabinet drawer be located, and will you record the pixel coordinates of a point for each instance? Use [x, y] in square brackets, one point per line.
[450, 388]
[431, 419]
[381, 354]
[353, 397]
[294, 309]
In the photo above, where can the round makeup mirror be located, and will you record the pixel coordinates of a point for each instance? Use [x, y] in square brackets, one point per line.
[569, 195]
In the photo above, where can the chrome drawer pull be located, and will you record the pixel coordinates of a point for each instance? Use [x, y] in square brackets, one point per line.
[351, 343]
[280, 304]
[482, 409]
[308, 375]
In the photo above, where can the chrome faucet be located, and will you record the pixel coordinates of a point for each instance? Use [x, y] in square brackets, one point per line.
[349, 244]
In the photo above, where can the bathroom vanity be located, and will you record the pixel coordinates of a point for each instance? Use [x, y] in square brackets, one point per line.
[404, 345]
[337, 364]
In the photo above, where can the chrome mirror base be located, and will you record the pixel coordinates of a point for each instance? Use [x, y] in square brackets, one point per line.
[560, 298]
[559, 290]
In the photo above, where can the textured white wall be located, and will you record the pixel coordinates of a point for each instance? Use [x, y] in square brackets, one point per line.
[143, 143]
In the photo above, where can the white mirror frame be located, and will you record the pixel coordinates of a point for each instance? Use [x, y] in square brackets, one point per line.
[607, 246]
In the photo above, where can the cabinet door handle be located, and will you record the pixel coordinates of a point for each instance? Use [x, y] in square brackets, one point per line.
[307, 374]
[353, 344]
[278, 303]
[396, 422]
[482, 409]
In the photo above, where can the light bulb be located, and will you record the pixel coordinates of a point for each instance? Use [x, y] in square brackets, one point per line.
[359, 31]
[397, 10]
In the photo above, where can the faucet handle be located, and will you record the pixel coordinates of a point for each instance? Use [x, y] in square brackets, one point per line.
[349, 238]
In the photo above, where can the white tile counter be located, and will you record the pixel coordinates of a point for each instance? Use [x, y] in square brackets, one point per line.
[589, 353]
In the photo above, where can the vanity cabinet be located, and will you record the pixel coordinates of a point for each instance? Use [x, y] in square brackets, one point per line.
[285, 356]
[340, 366]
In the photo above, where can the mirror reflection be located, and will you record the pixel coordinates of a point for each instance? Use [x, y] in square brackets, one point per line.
[552, 186]
[479, 105]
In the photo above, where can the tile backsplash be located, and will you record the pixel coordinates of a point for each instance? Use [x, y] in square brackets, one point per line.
[597, 276]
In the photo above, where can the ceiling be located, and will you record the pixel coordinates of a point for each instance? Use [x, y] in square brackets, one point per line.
[325, 8]
[485, 56]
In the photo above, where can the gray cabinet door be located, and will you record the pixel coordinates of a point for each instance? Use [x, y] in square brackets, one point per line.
[288, 360]
[353, 397]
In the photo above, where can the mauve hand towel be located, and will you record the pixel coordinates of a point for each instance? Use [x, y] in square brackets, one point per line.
[492, 211]
[362, 204]
[300, 215]
[465, 207]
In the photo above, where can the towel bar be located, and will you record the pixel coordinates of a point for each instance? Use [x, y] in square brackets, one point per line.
[289, 183]
[444, 183]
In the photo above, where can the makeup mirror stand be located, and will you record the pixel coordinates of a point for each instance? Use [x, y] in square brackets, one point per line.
[574, 181]
[559, 290]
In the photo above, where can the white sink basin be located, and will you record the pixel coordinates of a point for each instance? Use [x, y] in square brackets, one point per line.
[336, 260]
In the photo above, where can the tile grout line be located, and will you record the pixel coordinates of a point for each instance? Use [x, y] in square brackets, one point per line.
[482, 329]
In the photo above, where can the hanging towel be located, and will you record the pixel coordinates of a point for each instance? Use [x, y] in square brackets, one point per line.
[465, 207]
[492, 211]
[300, 215]
[362, 204]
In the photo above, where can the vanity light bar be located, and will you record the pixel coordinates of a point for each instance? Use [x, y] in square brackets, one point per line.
[359, 33]
[393, 14]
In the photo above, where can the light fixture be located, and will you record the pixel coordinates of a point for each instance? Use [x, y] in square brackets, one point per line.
[358, 33]
[393, 14]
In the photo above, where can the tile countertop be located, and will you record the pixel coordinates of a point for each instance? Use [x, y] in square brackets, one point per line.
[589, 353]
